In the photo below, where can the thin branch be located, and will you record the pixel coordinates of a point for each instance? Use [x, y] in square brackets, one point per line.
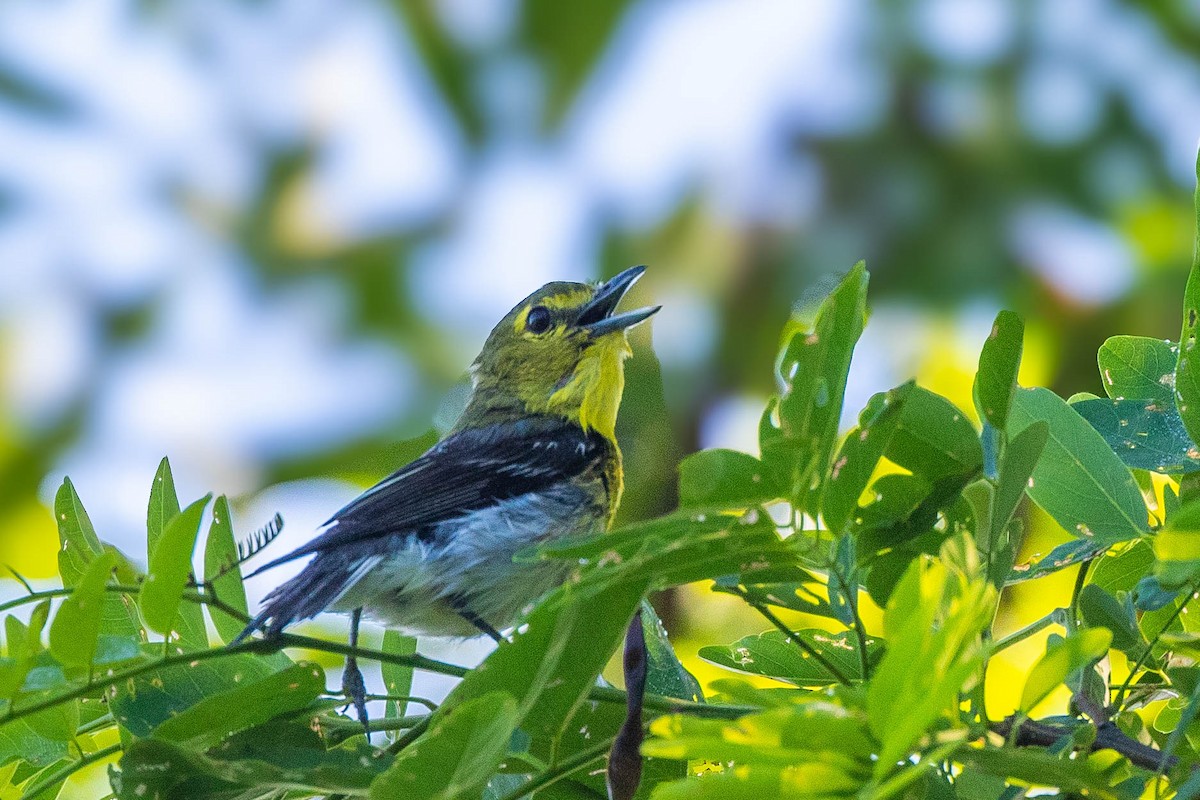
[1108, 737]
[1124, 690]
[561, 770]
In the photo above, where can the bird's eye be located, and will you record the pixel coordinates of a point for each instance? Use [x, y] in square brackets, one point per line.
[538, 320]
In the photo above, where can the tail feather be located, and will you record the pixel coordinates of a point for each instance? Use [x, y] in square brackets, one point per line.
[314, 590]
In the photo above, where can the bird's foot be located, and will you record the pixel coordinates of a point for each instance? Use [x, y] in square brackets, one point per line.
[355, 690]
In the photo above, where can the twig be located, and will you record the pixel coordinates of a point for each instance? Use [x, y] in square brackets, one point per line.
[1108, 737]
[561, 770]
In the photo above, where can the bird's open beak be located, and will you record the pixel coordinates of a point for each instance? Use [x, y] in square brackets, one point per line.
[597, 316]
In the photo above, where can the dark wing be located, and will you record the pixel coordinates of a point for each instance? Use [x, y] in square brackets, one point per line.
[472, 469]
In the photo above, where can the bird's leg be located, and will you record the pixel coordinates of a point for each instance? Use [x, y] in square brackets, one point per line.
[352, 679]
[460, 608]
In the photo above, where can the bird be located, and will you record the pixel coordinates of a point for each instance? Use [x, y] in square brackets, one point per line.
[533, 458]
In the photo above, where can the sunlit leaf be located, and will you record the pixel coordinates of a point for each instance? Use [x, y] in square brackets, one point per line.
[79, 545]
[860, 453]
[170, 567]
[1062, 657]
[1079, 481]
[934, 439]
[1139, 368]
[222, 572]
[774, 654]
[162, 508]
[814, 368]
[999, 362]
[76, 626]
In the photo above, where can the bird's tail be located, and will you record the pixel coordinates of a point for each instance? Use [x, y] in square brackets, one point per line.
[314, 590]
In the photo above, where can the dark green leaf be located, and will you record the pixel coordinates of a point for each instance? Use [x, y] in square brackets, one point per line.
[1139, 368]
[1121, 569]
[1144, 435]
[774, 655]
[170, 567]
[934, 439]
[1020, 461]
[220, 570]
[156, 769]
[456, 756]
[251, 703]
[142, 704]
[665, 676]
[724, 479]
[1101, 609]
[1079, 481]
[814, 368]
[76, 626]
[860, 454]
[1064, 555]
[999, 363]
[792, 587]
[79, 545]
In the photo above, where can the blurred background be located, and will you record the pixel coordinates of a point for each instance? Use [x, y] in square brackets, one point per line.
[265, 238]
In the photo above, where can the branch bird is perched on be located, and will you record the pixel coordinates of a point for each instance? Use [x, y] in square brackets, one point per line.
[533, 457]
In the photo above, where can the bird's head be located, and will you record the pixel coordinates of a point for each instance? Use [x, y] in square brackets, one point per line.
[560, 351]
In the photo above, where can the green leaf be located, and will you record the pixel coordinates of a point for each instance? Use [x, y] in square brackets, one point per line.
[814, 730]
[721, 478]
[999, 362]
[1079, 481]
[79, 546]
[19, 741]
[1020, 461]
[933, 623]
[76, 626]
[1139, 368]
[267, 766]
[142, 704]
[1177, 547]
[162, 508]
[790, 587]
[1039, 768]
[1067, 554]
[1062, 657]
[934, 439]
[859, 455]
[1187, 368]
[251, 703]
[458, 754]
[773, 655]
[1122, 569]
[1101, 609]
[220, 554]
[665, 675]
[397, 678]
[1143, 434]
[814, 368]
[170, 567]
